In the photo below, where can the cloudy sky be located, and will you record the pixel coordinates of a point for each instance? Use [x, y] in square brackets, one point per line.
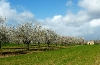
[79, 18]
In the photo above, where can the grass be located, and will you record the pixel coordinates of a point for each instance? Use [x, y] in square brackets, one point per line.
[15, 49]
[75, 55]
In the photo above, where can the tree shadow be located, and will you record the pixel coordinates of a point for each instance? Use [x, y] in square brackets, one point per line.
[13, 53]
[13, 48]
[18, 51]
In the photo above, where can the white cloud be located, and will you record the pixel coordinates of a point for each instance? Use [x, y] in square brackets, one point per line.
[85, 23]
[24, 16]
[69, 3]
[95, 23]
[66, 25]
[91, 6]
[12, 15]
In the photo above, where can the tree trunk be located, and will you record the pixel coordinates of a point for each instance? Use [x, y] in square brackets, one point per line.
[27, 42]
[48, 43]
[56, 44]
[27, 46]
[0, 44]
[65, 43]
[38, 44]
[62, 43]
[18, 43]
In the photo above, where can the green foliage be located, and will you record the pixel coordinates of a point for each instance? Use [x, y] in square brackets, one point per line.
[75, 55]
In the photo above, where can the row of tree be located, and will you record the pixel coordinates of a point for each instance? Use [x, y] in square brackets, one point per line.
[33, 33]
[97, 41]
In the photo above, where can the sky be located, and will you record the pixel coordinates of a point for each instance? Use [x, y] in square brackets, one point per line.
[79, 18]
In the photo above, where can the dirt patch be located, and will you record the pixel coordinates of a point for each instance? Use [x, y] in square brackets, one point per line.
[7, 52]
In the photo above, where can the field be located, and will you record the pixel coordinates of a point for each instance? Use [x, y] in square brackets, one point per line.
[73, 55]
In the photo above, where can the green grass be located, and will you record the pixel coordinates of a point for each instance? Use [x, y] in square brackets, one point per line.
[75, 55]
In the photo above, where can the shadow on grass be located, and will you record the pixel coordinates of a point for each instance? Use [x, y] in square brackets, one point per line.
[41, 49]
[13, 53]
[13, 48]
[18, 51]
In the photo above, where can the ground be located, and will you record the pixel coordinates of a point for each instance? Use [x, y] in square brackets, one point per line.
[73, 55]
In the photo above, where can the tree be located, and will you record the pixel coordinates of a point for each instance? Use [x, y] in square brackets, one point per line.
[4, 35]
[1, 24]
[25, 32]
[37, 34]
[14, 35]
[50, 37]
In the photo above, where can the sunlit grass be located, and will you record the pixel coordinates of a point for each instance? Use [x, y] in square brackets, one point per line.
[76, 55]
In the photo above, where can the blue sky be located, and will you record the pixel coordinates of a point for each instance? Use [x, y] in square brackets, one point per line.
[45, 8]
[79, 18]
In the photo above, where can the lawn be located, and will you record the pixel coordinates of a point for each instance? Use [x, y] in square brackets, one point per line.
[75, 55]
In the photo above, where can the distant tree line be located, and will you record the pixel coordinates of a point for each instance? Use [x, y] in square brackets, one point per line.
[27, 33]
[97, 42]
